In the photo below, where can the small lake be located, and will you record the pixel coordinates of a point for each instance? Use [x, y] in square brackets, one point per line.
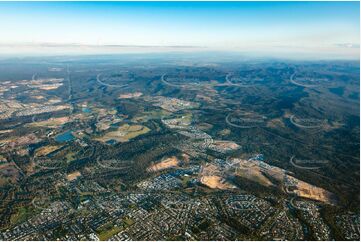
[64, 137]
[86, 110]
[111, 142]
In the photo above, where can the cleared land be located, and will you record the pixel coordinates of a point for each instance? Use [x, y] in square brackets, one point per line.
[15, 142]
[45, 150]
[164, 164]
[306, 190]
[223, 146]
[50, 123]
[215, 182]
[154, 114]
[72, 176]
[124, 133]
[130, 95]
[253, 173]
[211, 177]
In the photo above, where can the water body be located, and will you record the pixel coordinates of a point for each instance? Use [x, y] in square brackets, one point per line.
[64, 137]
[111, 142]
[86, 110]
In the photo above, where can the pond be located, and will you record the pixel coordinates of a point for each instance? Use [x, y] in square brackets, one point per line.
[86, 110]
[64, 137]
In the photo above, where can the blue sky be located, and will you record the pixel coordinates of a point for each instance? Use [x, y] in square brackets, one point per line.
[329, 29]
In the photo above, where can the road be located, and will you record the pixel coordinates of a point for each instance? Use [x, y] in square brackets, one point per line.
[70, 91]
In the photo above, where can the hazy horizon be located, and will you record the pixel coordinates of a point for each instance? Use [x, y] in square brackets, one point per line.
[292, 30]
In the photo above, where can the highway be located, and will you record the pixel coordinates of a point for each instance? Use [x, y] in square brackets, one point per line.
[70, 91]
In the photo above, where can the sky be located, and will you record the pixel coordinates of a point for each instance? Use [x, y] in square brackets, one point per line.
[325, 30]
